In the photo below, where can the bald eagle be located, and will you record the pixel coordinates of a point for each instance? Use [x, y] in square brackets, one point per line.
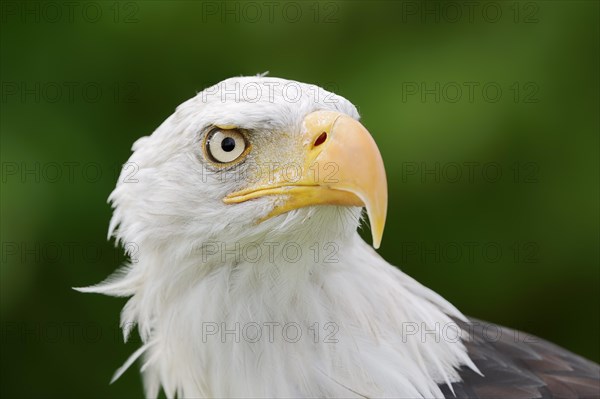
[249, 278]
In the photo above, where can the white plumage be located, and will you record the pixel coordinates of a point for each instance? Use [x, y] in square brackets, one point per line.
[203, 266]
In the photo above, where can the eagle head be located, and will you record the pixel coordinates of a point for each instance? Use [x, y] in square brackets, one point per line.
[251, 159]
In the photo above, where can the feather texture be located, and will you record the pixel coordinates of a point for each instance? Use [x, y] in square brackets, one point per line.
[518, 365]
[224, 309]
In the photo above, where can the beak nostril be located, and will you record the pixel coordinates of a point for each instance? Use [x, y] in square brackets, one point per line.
[320, 140]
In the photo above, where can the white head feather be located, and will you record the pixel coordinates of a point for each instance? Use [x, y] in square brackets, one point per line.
[207, 278]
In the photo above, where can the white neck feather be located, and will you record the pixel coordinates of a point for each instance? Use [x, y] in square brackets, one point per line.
[337, 322]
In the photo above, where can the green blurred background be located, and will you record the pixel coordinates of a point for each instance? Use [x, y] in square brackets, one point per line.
[486, 114]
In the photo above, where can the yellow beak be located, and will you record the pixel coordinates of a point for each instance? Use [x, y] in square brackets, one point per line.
[341, 166]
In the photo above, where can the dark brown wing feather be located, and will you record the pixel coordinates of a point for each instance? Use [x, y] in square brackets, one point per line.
[516, 365]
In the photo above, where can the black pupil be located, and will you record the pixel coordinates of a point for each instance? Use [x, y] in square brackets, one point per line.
[228, 144]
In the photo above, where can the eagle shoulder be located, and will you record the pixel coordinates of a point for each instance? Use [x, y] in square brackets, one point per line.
[518, 365]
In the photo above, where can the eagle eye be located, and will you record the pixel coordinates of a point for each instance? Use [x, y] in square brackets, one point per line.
[225, 146]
